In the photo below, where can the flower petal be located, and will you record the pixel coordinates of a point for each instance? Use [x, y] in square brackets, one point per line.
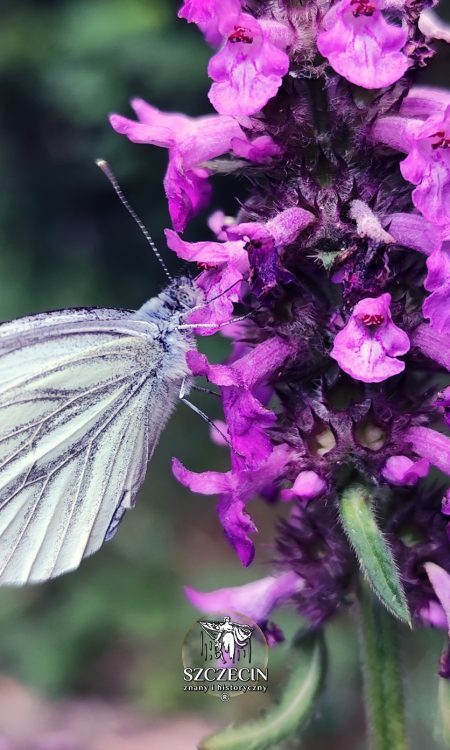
[401, 470]
[362, 46]
[247, 71]
[368, 346]
[440, 580]
[237, 526]
[204, 483]
[256, 600]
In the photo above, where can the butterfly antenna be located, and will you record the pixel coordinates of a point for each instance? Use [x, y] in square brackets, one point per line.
[106, 169]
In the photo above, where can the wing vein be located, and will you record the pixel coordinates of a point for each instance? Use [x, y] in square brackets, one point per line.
[99, 432]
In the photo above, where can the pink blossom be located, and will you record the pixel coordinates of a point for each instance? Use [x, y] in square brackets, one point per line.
[188, 191]
[401, 470]
[247, 71]
[433, 615]
[396, 132]
[423, 101]
[361, 45]
[440, 581]
[307, 486]
[236, 488]
[207, 253]
[209, 15]
[261, 149]
[433, 344]
[218, 223]
[264, 243]
[226, 265]
[428, 166]
[368, 347]
[218, 433]
[255, 463]
[434, 27]
[246, 417]
[412, 230]
[191, 141]
[437, 306]
[197, 139]
[432, 445]
[256, 600]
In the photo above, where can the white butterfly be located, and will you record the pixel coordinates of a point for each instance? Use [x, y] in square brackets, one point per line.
[84, 396]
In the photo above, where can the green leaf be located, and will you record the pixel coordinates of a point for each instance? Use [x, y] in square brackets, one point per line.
[383, 688]
[372, 550]
[285, 718]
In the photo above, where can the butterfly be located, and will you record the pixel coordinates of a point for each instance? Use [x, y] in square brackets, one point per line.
[84, 397]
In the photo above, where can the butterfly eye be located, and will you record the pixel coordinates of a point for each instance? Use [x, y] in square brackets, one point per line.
[186, 297]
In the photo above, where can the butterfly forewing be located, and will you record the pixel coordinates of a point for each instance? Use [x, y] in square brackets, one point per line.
[77, 389]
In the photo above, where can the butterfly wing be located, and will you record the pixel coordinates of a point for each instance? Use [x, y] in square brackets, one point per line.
[82, 405]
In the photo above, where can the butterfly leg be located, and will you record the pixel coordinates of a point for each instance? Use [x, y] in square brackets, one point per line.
[188, 326]
[209, 391]
[184, 390]
[206, 418]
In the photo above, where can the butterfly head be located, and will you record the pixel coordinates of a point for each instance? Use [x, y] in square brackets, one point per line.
[185, 293]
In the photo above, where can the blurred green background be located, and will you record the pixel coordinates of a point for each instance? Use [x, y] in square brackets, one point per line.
[113, 630]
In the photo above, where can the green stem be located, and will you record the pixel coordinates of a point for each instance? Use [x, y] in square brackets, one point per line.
[382, 678]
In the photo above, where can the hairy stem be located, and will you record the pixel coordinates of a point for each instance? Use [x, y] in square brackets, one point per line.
[382, 677]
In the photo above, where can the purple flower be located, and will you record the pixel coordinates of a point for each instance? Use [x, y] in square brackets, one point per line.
[440, 580]
[191, 141]
[428, 166]
[368, 347]
[423, 101]
[263, 243]
[412, 230]
[433, 344]
[431, 445]
[401, 470]
[247, 419]
[209, 15]
[433, 615]
[218, 223]
[396, 132]
[361, 45]
[236, 488]
[213, 254]
[279, 231]
[307, 486]
[255, 463]
[260, 150]
[335, 238]
[226, 265]
[188, 191]
[437, 306]
[248, 69]
[432, 26]
[256, 600]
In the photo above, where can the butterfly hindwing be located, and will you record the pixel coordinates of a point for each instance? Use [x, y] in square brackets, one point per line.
[78, 394]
